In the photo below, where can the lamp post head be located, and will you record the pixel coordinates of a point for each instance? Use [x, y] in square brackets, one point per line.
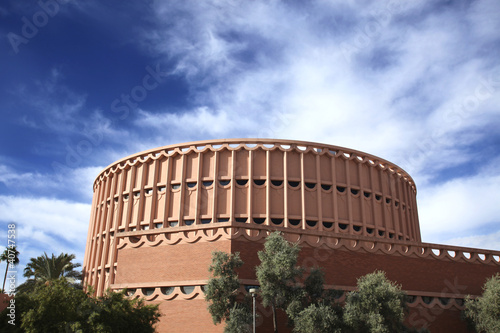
[252, 291]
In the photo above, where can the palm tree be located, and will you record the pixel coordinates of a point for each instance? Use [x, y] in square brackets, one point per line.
[45, 269]
[12, 260]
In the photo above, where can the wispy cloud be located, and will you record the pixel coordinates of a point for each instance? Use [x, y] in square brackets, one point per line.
[407, 89]
[45, 225]
[489, 241]
[65, 219]
[412, 83]
[465, 205]
[70, 183]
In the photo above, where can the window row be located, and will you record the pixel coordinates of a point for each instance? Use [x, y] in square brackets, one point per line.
[186, 290]
[343, 227]
[260, 182]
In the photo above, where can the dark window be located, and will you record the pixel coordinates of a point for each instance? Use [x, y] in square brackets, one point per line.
[148, 291]
[311, 223]
[187, 289]
[326, 187]
[167, 290]
[259, 182]
[241, 182]
[277, 221]
[444, 300]
[277, 182]
[427, 299]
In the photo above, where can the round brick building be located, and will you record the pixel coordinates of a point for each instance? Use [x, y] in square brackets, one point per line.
[158, 215]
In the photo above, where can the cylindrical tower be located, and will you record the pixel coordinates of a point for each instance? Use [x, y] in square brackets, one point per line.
[257, 182]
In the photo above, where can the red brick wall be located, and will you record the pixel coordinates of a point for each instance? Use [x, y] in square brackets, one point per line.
[186, 316]
[177, 262]
[186, 262]
[342, 268]
[437, 320]
[424, 275]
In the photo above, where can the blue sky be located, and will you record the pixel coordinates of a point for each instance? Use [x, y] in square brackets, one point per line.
[85, 83]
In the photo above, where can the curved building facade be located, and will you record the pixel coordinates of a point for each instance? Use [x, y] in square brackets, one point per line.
[157, 216]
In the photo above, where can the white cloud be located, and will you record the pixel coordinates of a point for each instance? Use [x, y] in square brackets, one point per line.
[488, 241]
[405, 88]
[462, 206]
[55, 217]
[75, 183]
[299, 72]
[201, 121]
[45, 225]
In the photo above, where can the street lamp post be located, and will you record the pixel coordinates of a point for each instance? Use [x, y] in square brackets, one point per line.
[253, 292]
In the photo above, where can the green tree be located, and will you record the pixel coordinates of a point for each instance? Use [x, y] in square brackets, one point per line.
[378, 305]
[239, 320]
[277, 273]
[319, 318]
[59, 307]
[55, 308]
[44, 269]
[301, 297]
[222, 288]
[11, 257]
[484, 311]
[115, 312]
[314, 309]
